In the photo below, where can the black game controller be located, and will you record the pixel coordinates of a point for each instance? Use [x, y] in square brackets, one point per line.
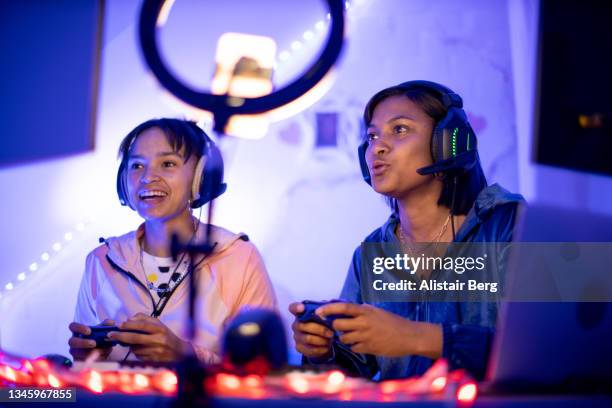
[98, 333]
[309, 315]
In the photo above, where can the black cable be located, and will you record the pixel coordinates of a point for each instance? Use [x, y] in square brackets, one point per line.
[204, 257]
[126, 356]
[452, 211]
[156, 309]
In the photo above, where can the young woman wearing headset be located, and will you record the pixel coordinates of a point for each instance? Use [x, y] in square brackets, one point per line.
[419, 151]
[168, 167]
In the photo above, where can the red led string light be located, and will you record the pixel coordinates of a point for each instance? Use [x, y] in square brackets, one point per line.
[437, 383]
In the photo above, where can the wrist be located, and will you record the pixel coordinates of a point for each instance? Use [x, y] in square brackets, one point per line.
[428, 339]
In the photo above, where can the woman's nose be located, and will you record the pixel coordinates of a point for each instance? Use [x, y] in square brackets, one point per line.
[379, 147]
[149, 176]
[376, 150]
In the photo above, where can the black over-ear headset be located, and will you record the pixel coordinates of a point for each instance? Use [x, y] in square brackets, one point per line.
[453, 142]
[207, 180]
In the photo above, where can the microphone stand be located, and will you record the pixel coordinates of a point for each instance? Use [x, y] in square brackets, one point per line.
[190, 371]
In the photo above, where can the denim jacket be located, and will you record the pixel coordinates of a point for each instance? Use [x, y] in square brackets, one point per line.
[468, 327]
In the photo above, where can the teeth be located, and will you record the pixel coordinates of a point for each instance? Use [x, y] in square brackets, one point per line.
[154, 193]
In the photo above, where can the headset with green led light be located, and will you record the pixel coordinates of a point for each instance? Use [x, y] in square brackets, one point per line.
[453, 141]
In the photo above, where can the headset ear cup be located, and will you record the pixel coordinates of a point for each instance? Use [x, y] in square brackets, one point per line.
[437, 144]
[198, 176]
[122, 192]
[458, 133]
[208, 182]
[363, 165]
[447, 135]
[125, 190]
[125, 199]
[119, 185]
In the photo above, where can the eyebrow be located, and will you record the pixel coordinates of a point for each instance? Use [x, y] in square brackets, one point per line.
[393, 119]
[161, 154]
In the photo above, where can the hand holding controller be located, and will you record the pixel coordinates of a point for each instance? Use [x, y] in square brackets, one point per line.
[314, 334]
[309, 315]
[99, 333]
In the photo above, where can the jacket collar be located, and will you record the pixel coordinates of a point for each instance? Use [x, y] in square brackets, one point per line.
[124, 250]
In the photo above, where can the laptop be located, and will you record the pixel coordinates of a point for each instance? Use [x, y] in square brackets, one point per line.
[553, 345]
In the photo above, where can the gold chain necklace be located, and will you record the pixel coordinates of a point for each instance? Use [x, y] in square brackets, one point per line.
[401, 235]
[408, 245]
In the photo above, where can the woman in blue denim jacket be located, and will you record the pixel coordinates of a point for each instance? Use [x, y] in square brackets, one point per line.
[420, 153]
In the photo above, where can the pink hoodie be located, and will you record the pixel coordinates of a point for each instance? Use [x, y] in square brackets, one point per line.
[233, 277]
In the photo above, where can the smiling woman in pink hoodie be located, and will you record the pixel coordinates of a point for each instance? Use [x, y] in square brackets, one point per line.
[168, 167]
